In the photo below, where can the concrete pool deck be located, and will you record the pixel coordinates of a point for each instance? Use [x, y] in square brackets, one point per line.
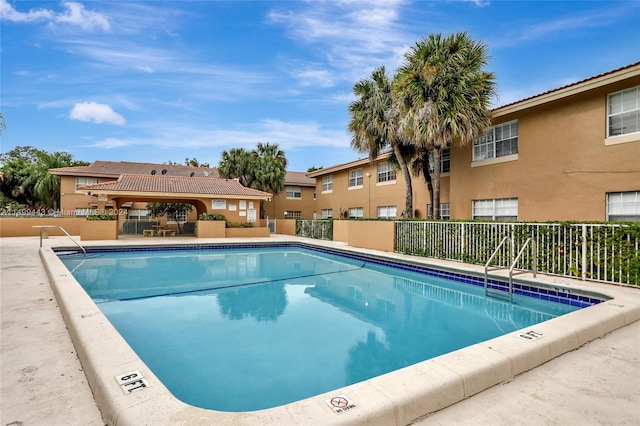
[43, 382]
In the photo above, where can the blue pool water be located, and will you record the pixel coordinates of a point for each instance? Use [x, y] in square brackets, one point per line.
[249, 328]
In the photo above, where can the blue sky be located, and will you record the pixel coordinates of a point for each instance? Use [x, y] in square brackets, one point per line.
[160, 81]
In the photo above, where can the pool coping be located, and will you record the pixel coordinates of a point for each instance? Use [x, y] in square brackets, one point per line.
[399, 397]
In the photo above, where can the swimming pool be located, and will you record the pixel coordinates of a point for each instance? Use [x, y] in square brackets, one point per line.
[396, 398]
[255, 327]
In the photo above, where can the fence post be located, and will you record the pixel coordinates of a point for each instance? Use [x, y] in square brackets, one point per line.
[584, 252]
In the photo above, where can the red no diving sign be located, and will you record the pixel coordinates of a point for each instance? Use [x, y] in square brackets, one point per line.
[339, 404]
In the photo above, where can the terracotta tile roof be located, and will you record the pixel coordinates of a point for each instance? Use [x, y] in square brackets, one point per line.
[116, 168]
[299, 178]
[176, 185]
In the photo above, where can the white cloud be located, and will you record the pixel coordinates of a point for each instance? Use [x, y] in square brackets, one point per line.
[96, 113]
[74, 14]
[354, 37]
[109, 143]
[8, 13]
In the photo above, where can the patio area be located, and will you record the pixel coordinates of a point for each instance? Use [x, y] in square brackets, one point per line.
[42, 381]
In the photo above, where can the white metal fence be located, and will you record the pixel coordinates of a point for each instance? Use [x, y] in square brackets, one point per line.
[600, 252]
[320, 229]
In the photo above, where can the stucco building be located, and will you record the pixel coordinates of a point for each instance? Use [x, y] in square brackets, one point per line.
[572, 153]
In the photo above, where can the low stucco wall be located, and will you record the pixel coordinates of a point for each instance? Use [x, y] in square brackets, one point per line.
[99, 230]
[24, 226]
[370, 234]
[286, 226]
[341, 230]
[247, 232]
[210, 229]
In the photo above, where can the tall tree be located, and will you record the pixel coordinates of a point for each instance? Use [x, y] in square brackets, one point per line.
[264, 168]
[375, 125]
[172, 210]
[26, 178]
[445, 96]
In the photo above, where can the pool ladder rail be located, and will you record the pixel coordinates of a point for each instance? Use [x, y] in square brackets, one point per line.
[498, 293]
[45, 227]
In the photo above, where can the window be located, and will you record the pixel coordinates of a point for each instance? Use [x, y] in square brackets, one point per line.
[356, 213]
[624, 112]
[500, 209]
[293, 214]
[138, 214]
[182, 217]
[327, 213]
[82, 181]
[387, 212]
[355, 178]
[386, 173]
[327, 183]
[623, 206]
[498, 141]
[445, 161]
[445, 211]
[85, 212]
[294, 192]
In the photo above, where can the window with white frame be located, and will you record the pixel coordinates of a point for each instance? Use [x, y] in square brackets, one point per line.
[623, 113]
[498, 141]
[387, 212]
[293, 214]
[327, 213]
[623, 206]
[497, 209]
[327, 183]
[445, 211]
[445, 161]
[386, 172]
[182, 217]
[356, 178]
[294, 192]
[138, 214]
[356, 213]
[82, 181]
[85, 212]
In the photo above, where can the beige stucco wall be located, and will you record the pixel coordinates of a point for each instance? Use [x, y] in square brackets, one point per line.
[24, 227]
[99, 230]
[279, 204]
[374, 194]
[286, 226]
[563, 170]
[371, 234]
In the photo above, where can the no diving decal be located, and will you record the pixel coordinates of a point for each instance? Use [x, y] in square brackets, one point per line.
[339, 404]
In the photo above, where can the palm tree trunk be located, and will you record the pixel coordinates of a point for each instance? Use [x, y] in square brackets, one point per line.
[404, 167]
[426, 172]
[437, 154]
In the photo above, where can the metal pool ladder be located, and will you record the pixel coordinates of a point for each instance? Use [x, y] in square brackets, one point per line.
[499, 294]
[43, 227]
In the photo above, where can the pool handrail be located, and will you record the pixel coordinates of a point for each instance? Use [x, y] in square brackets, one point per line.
[513, 264]
[486, 265]
[43, 227]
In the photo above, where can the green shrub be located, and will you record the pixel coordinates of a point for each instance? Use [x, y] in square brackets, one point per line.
[101, 217]
[212, 216]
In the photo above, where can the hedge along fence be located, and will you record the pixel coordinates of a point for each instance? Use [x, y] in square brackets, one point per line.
[599, 252]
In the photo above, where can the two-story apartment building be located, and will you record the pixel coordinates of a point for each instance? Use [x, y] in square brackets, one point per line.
[572, 153]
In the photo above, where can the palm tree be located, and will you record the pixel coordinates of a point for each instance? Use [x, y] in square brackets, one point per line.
[445, 96]
[375, 120]
[270, 167]
[236, 163]
[46, 187]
